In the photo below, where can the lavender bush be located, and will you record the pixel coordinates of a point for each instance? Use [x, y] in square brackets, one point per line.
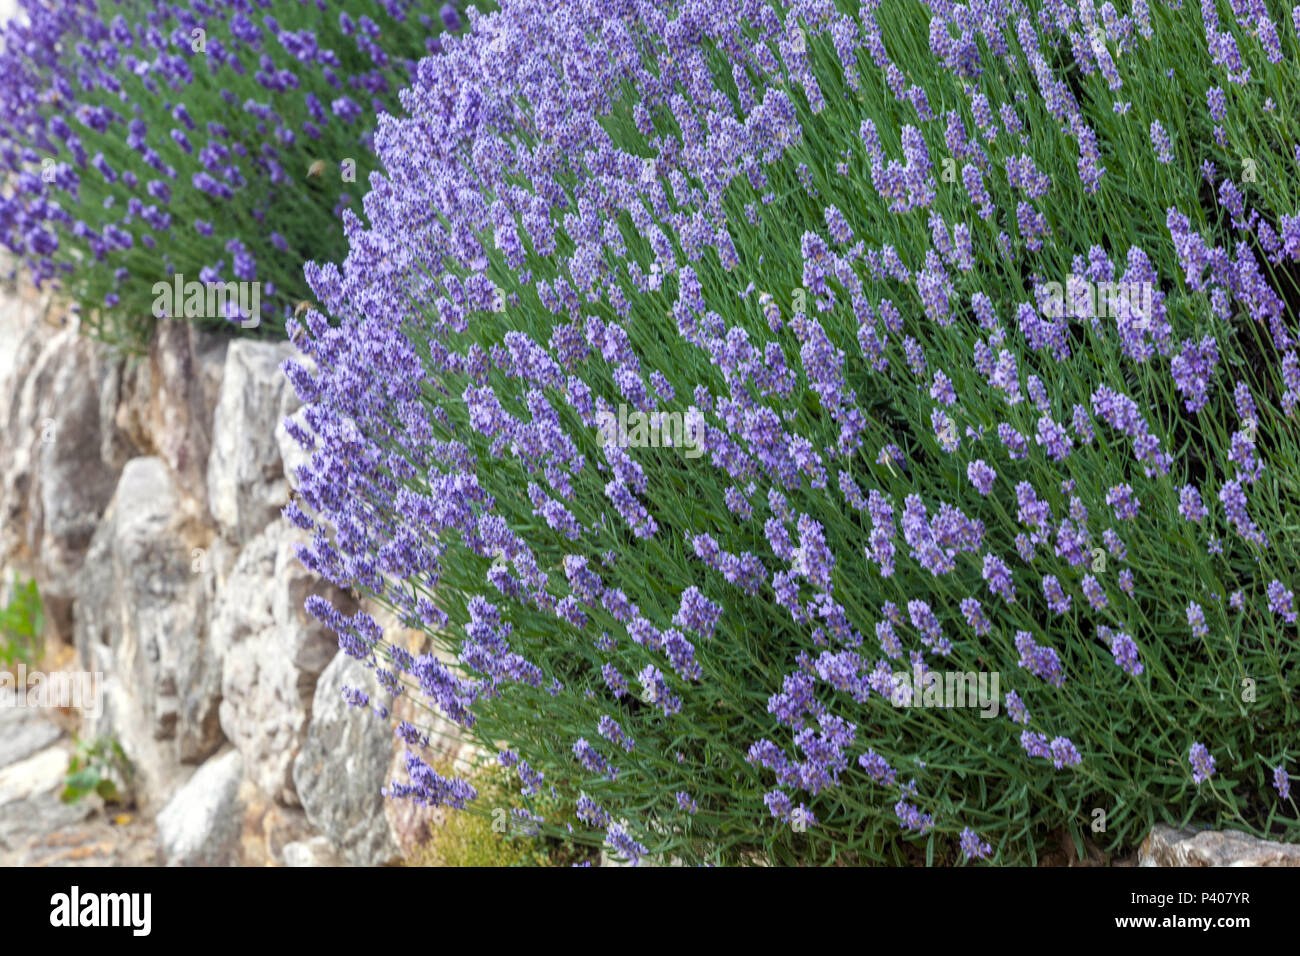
[214, 140]
[982, 318]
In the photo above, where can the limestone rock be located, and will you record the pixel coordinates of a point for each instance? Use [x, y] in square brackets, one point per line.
[343, 766]
[245, 475]
[200, 826]
[1165, 846]
[29, 801]
[282, 827]
[33, 761]
[273, 654]
[22, 733]
[185, 369]
[142, 621]
[314, 852]
[55, 485]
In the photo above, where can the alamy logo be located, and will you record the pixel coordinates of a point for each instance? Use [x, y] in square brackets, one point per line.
[947, 689]
[82, 690]
[636, 429]
[239, 302]
[133, 910]
[1082, 299]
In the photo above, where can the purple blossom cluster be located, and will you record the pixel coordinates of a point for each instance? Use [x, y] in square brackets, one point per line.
[1059, 750]
[1202, 763]
[1122, 648]
[1040, 660]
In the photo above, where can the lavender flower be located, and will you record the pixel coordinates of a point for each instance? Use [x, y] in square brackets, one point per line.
[1058, 602]
[1281, 601]
[618, 840]
[1039, 660]
[877, 768]
[581, 168]
[998, 577]
[981, 476]
[1189, 504]
[1202, 763]
[655, 690]
[910, 818]
[975, 617]
[1123, 649]
[1121, 499]
[1160, 141]
[1064, 753]
[1016, 709]
[972, 847]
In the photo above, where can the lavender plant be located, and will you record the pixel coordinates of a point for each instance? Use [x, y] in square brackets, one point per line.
[217, 142]
[983, 316]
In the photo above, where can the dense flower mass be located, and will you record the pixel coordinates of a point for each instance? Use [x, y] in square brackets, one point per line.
[709, 375]
[218, 141]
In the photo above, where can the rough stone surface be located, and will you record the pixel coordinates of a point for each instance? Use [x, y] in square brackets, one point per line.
[246, 482]
[36, 828]
[273, 654]
[36, 774]
[33, 761]
[54, 484]
[144, 494]
[23, 733]
[29, 803]
[314, 852]
[282, 827]
[306, 643]
[181, 381]
[99, 841]
[200, 826]
[143, 622]
[343, 765]
[1165, 846]
[242, 608]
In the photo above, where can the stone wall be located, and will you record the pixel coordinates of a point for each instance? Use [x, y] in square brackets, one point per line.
[144, 496]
